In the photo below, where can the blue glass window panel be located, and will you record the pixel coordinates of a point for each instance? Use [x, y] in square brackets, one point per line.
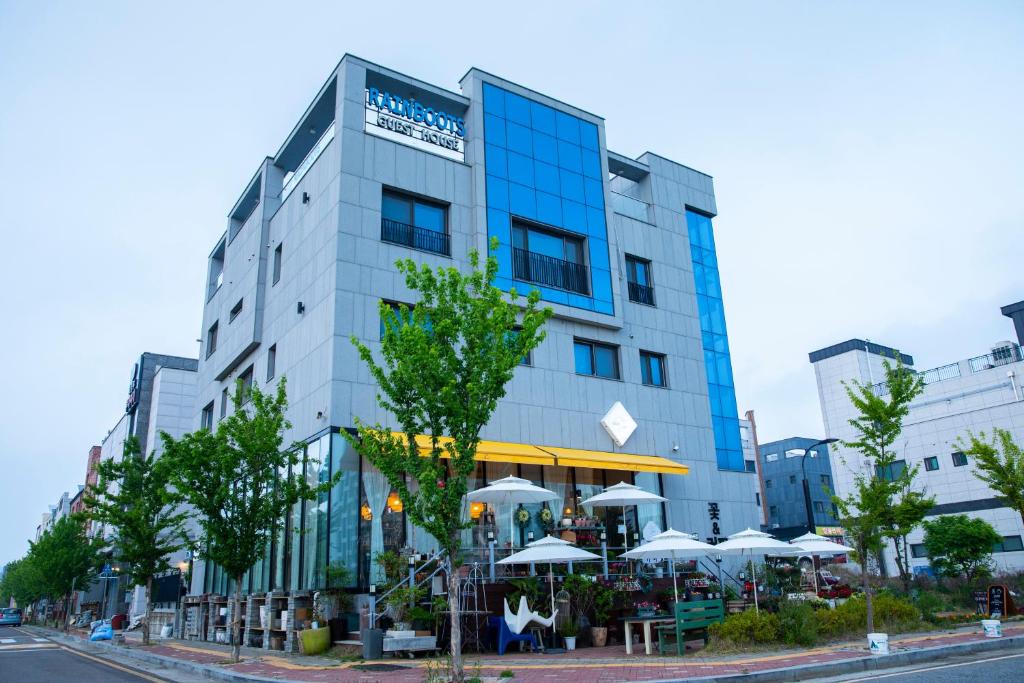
[555, 296]
[724, 369]
[395, 208]
[718, 424]
[596, 223]
[568, 127]
[599, 254]
[714, 287]
[657, 371]
[645, 369]
[601, 284]
[546, 177]
[498, 224]
[588, 135]
[715, 315]
[494, 100]
[497, 193]
[543, 118]
[547, 244]
[569, 156]
[545, 148]
[732, 434]
[606, 362]
[429, 216]
[520, 169]
[699, 280]
[517, 108]
[584, 365]
[549, 208]
[591, 164]
[721, 343]
[729, 409]
[580, 301]
[494, 130]
[711, 366]
[574, 216]
[522, 201]
[520, 139]
[504, 256]
[572, 187]
[604, 306]
[593, 192]
[497, 161]
[710, 258]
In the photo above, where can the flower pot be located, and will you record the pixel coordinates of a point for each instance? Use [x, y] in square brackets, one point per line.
[878, 643]
[645, 613]
[570, 643]
[599, 635]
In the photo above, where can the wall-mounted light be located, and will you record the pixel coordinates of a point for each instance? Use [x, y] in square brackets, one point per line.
[300, 308]
[604, 536]
[365, 512]
[305, 198]
[568, 511]
[475, 510]
[490, 536]
[529, 536]
[394, 502]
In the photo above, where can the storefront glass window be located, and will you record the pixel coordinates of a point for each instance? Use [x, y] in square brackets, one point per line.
[650, 517]
[314, 537]
[344, 516]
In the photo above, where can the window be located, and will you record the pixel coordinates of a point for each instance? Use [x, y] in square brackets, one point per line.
[767, 483]
[638, 279]
[773, 512]
[959, 459]
[826, 481]
[278, 253]
[835, 510]
[757, 498]
[750, 465]
[235, 310]
[652, 369]
[771, 457]
[224, 403]
[528, 358]
[549, 258]
[414, 222]
[931, 463]
[917, 550]
[397, 321]
[1009, 544]
[891, 472]
[211, 339]
[206, 420]
[819, 506]
[792, 479]
[599, 360]
[216, 276]
[246, 379]
[271, 362]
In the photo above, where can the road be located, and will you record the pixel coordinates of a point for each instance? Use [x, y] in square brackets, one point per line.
[1002, 667]
[26, 657]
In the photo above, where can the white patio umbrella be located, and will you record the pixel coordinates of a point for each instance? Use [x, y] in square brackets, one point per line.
[509, 491]
[622, 495]
[669, 545]
[749, 543]
[813, 544]
[551, 550]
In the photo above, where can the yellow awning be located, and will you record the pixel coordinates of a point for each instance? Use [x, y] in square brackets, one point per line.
[504, 451]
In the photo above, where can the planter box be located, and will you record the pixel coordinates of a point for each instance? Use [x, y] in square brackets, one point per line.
[314, 641]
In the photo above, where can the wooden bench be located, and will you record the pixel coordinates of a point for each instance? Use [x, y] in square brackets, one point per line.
[691, 617]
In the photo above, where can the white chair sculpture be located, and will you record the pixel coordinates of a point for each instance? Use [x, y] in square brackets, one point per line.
[517, 621]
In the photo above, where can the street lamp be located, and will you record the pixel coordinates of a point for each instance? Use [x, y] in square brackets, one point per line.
[807, 487]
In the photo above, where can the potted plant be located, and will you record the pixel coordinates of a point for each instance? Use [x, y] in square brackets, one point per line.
[338, 607]
[604, 600]
[570, 630]
[646, 608]
[400, 602]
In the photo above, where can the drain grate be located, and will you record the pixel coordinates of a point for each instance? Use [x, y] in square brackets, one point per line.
[379, 667]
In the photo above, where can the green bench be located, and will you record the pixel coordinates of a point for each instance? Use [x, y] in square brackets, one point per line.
[691, 617]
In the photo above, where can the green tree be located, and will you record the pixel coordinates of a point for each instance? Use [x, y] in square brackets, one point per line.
[904, 512]
[230, 478]
[958, 545]
[867, 512]
[134, 497]
[21, 583]
[444, 366]
[62, 558]
[1000, 464]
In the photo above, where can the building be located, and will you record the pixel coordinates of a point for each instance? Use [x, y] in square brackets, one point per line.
[382, 166]
[975, 395]
[748, 438]
[783, 467]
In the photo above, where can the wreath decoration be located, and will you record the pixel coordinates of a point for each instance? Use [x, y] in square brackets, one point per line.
[546, 517]
[522, 517]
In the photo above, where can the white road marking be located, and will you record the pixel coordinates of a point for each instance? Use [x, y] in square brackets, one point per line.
[41, 640]
[7, 640]
[910, 672]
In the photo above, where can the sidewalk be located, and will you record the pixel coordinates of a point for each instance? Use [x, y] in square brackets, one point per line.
[589, 664]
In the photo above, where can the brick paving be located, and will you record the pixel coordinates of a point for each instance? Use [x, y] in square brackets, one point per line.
[605, 664]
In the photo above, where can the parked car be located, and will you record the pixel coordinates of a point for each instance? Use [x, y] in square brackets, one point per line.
[10, 616]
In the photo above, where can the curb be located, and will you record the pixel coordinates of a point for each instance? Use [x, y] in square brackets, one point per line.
[865, 664]
[108, 649]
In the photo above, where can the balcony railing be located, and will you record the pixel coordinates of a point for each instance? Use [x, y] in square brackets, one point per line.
[417, 238]
[940, 374]
[1000, 356]
[630, 206]
[550, 271]
[641, 294]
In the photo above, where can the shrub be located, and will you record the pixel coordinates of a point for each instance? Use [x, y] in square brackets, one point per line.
[747, 628]
[798, 622]
[891, 613]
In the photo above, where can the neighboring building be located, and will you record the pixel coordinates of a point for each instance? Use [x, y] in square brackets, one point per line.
[973, 395]
[782, 466]
[78, 501]
[44, 524]
[748, 437]
[382, 166]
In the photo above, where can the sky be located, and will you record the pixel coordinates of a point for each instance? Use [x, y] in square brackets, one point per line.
[866, 157]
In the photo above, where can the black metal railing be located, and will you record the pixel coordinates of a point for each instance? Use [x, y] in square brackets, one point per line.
[641, 294]
[417, 238]
[547, 270]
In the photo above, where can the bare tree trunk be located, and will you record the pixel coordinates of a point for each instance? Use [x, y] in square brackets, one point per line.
[458, 675]
[67, 611]
[236, 622]
[149, 606]
[901, 565]
[866, 573]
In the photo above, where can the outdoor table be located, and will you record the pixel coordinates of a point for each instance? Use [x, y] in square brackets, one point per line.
[646, 621]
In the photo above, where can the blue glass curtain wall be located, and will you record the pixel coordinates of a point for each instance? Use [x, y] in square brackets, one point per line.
[544, 165]
[717, 361]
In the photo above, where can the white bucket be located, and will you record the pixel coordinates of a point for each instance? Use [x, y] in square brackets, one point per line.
[993, 628]
[878, 643]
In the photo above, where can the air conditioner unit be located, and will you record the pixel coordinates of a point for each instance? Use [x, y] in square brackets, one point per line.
[1004, 353]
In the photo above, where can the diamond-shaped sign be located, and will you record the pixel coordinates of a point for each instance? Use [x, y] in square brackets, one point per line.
[619, 424]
